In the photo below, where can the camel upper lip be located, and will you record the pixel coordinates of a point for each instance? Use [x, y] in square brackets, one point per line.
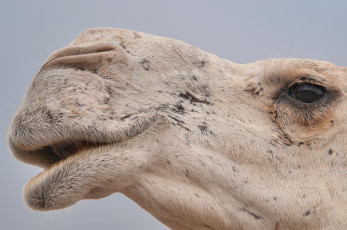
[48, 154]
[45, 147]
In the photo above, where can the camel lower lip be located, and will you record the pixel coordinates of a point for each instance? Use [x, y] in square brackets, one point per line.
[60, 185]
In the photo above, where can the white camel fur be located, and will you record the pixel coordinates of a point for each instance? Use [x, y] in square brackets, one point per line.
[198, 141]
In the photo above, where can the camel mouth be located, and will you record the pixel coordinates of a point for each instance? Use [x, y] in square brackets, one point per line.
[47, 155]
[74, 163]
[33, 148]
[62, 150]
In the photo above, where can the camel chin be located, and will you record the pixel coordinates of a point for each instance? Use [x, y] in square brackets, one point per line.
[198, 141]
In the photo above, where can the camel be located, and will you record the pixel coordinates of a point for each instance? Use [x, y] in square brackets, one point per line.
[198, 141]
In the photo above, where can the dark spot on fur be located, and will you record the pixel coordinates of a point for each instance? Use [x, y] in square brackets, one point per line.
[273, 143]
[178, 108]
[187, 173]
[106, 77]
[204, 129]
[145, 64]
[201, 64]
[106, 100]
[300, 143]
[179, 55]
[125, 117]
[81, 68]
[50, 116]
[330, 152]
[193, 99]
[162, 107]
[194, 78]
[122, 45]
[271, 153]
[307, 213]
[197, 195]
[285, 139]
[168, 162]
[179, 124]
[109, 90]
[254, 89]
[176, 119]
[205, 90]
[251, 213]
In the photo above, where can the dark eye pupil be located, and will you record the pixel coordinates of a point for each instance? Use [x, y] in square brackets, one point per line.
[307, 93]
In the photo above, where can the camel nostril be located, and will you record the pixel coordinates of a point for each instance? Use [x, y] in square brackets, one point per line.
[89, 57]
[81, 50]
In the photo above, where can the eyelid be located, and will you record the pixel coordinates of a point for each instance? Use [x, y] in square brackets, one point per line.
[310, 79]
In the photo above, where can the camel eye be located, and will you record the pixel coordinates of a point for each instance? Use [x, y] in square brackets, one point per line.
[306, 92]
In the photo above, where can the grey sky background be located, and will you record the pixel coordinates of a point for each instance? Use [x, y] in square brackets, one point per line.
[241, 31]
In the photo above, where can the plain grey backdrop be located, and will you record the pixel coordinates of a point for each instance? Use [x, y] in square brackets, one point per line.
[242, 31]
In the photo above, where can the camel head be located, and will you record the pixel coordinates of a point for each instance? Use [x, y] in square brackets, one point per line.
[197, 141]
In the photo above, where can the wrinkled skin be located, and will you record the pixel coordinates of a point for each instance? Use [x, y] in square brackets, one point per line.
[197, 141]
